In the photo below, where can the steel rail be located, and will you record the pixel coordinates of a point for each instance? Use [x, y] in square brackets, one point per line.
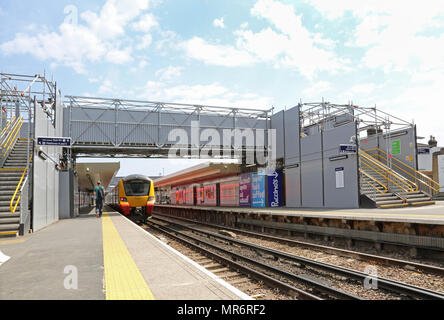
[346, 253]
[321, 287]
[387, 284]
[259, 276]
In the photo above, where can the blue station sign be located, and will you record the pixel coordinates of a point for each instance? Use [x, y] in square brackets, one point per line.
[275, 188]
[52, 141]
[258, 190]
[347, 148]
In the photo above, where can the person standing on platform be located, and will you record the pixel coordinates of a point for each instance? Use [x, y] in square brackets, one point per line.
[100, 199]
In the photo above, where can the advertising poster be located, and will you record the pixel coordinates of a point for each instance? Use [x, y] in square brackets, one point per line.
[245, 190]
[257, 190]
[275, 188]
[339, 177]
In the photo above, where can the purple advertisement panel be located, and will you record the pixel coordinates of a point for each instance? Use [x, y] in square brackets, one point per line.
[245, 190]
[258, 190]
[274, 184]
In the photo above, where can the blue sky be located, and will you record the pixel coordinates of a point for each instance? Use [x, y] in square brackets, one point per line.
[257, 53]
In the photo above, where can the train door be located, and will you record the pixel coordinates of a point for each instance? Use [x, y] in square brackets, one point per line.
[194, 196]
[218, 194]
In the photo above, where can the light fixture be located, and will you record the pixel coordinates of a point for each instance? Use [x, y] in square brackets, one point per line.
[336, 158]
[397, 134]
[42, 154]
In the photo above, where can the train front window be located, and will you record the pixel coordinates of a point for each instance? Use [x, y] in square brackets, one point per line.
[136, 187]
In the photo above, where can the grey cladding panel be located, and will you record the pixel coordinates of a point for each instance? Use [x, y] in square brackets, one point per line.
[277, 123]
[311, 171]
[292, 187]
[312, 191]
[346, 197]
[292, 135]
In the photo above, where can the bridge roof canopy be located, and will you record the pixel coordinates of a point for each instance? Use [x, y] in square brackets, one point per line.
[199, 173]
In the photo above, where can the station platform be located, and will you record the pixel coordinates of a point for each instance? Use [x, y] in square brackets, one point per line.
[418, 227]
[109, 258]
[432, 214]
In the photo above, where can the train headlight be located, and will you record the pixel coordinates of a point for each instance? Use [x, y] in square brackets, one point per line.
[123, 199]
[150, 198]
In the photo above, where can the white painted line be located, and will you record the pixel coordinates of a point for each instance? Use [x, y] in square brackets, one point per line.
[3, 258]
[225, 284]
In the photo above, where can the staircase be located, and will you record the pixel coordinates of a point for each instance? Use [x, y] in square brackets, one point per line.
[386, 188]
[10, 175]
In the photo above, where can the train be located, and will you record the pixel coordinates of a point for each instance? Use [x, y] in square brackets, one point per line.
[219, 192]
[133, 196]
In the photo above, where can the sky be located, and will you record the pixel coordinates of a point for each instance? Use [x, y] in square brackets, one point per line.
[249, 53]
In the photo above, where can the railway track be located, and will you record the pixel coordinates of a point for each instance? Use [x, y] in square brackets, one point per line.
[322, 248]
[255, 269]
[320, 270]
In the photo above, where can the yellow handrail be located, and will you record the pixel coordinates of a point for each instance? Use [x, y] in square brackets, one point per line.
[437, 185]
[375, 180]
[398, 176]
[386, 177]
[7, 125]
[12, 132]
[15, 132]
[12, 208]
[412, 186]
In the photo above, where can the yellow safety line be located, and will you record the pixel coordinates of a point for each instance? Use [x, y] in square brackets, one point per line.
[8, 233]
[393, 205]
[123, 280]
[6, 242]
[423, 202]
[394, 215]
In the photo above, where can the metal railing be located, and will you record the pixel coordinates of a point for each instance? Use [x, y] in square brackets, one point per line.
[6, 128]
[9, 139]
[426, 183]
[386, 175]
[374, 180]
[13, 207]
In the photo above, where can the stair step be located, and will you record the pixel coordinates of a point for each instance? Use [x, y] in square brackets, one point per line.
[415, 195]
[9, 227]
[387, 198]
[5, 202]
[4, 179]
[422, 203]
[389, 202]
[418, 199]
[11, 220]
[7, 174]
[9, 215]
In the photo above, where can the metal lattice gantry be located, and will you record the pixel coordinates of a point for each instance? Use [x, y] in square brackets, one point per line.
[113, 127]
[366, 117]
[18, 91]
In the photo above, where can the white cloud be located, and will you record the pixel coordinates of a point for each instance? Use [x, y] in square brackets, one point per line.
[315, 90]
[145, 42]
[169, 73]
[119, 56]
[143, 64]
[291, 46]
[212, 94]
[219, 23]
[216, 54]
[146, 23]
[99, 38]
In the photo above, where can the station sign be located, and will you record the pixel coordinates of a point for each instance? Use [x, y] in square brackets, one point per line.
[423, 150]
[347, 148]
[54, 141]
[258, 190]
[245, 190]
[275, 188]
